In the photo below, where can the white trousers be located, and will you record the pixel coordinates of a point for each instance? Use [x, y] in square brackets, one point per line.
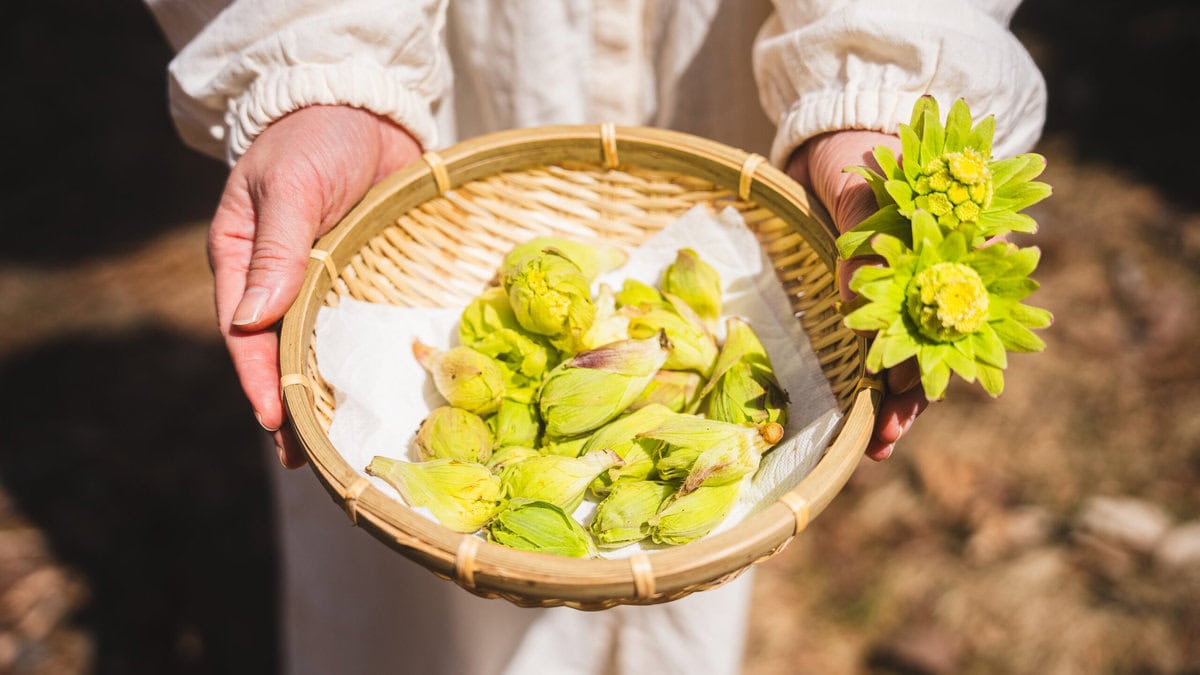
[351, 605]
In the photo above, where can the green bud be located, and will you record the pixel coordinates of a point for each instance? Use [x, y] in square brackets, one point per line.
[609, 325]
[593, 258]
[710, 452]
[463, 496]
[623, 517]
[559, 480]
[595, 386]
[678, 390]
[692, 345]
[564, 447]
[464, 377]
[453, 433]
[516, 423]
[621, 437]
[489, 326]
[542, 527]
[637, 295]
[743, 388]
[508, 455]
[697, 283]
[550, 296]
[691, 516]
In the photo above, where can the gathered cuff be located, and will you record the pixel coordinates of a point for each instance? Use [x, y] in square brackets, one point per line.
[357, 83]
[821, 112]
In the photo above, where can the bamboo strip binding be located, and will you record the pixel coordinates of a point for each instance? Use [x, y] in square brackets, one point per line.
[433, 234]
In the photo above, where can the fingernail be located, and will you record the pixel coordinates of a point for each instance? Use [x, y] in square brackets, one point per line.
[258, 417]
[282, 455]
[250, 309]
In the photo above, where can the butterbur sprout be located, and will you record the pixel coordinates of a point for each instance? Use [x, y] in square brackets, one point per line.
[464, 377]
[595, 386]
[453, 433]
[550, 296]
[948, 172]
[463, 496]
[593, 257]
[688, 517]
[697, 283]
[541, 527]
[559, 480]
[743, 388]
[955, 309]
[623, 517]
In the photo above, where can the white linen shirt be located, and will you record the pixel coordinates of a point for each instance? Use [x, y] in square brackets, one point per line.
[449, 70]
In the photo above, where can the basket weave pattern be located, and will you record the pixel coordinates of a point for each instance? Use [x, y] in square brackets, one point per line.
[445, 249]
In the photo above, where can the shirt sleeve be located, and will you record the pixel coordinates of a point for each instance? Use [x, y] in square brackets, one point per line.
[826, 65]
[242, 65]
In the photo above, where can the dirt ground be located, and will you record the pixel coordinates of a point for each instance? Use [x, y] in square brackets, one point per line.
[1053, 530]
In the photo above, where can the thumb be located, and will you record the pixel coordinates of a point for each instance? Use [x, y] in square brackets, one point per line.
[288, 219]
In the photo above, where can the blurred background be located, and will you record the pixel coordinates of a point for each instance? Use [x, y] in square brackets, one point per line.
[1054, 530]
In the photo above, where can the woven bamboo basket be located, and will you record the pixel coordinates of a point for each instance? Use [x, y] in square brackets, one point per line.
[416, 239]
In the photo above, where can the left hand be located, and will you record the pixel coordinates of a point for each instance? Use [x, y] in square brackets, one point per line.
[818, 166]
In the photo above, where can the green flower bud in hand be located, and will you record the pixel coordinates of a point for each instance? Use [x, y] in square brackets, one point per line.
[463, 496]
[953, 308]
[464, 377]
[948, 172]
[623, 517]
[595, 386]
[453, 433]
[541, 527]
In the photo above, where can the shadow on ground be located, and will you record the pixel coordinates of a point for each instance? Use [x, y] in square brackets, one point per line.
[134, 455]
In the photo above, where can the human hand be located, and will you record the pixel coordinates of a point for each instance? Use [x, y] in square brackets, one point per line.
[299, 177]
[818, 165]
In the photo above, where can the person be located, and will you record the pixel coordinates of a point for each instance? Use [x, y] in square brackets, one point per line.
[313, 102]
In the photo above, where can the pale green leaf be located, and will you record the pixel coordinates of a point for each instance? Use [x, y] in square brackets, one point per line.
[910, 152]
[874, 181]
[1017, 197]
[1016, 337]
[1024, 261]
[960, 363]
[857, 240]
[988, 347]
[953, 247]
[1014, 289]
[923, 105]
[991, 377]
[891, 248]
[934, 382]
[872, 316]
[1030, 317]
[981, 136]
[1025, 167]
[898, 349]
[925, 229]
[887, 162]
[901, 193]
[933, 138]
[995, 222]
[958, 126]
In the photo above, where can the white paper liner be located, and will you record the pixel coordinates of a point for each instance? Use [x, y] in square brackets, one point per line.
[382, 394]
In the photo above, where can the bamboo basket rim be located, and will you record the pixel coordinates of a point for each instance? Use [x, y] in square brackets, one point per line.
[535, 579]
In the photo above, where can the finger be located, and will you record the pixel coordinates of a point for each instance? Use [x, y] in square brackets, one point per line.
[288, 218]
[291, 454]
[896, 415]
[254, 353]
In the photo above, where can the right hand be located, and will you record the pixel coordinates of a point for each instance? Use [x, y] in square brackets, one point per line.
[296, 181]
[818, 165]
